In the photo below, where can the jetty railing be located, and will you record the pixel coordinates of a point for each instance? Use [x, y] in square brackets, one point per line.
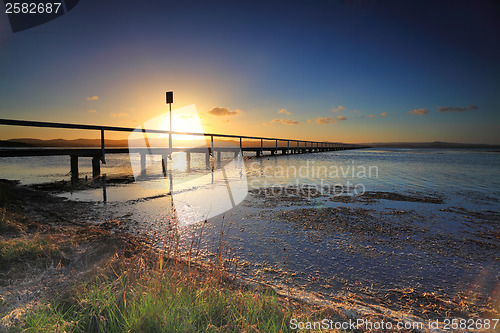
[292, 145]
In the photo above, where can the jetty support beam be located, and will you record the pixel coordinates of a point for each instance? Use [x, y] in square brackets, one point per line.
[164, 165]
[188, 161]
[74, 168]
[143, 164]
[96, 167]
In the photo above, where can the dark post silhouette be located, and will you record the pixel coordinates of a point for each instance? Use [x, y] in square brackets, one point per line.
[170, 100]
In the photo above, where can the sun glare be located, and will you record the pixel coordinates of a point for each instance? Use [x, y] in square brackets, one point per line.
[186, 120]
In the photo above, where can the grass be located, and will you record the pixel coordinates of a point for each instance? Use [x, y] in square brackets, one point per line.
[146, 291]
[144, 298]
[24, 249]
[17, 245]
[136, 290]
[9, 223]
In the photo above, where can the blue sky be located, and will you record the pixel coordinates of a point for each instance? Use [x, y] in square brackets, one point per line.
[377, 60]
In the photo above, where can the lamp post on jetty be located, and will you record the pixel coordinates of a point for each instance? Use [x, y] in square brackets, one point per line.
[170, 100]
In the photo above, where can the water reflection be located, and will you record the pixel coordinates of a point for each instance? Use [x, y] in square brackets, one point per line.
[384, 243]
[450, 174]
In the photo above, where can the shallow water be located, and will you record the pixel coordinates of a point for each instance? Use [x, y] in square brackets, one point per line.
[435, 170]
[444, 247]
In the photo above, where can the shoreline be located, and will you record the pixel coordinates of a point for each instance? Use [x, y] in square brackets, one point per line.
[55, 210]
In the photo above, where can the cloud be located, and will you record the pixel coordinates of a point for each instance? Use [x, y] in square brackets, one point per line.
[371, 116]
[285, 111]
[355, 111]
[222, 111]
[384, 114]
[289, 122]
[456, 108]
[341, 118]
[92, 111]
[451, 109]
[338, 108]
[324, 120]
[420, 111]
[121, 114]
[92, 98]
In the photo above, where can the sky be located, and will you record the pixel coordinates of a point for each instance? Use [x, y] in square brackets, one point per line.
[344, 71]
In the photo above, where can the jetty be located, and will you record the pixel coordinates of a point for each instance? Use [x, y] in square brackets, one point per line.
[266, 146]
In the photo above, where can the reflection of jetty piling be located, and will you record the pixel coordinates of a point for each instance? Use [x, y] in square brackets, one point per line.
[272, 146]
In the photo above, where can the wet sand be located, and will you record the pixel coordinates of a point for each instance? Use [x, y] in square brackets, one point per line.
[379, 254]
[419, 256]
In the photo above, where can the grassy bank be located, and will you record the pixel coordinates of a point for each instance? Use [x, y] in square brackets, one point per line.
[145, 299]
[61, 276]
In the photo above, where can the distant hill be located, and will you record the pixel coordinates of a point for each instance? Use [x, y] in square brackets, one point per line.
[28, 142]
[435, 144]
[8, 143]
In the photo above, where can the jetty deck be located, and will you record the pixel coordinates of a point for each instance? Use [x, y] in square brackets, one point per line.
[271, 146]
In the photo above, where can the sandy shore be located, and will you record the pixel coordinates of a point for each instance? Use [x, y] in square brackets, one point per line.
[412, 253]
[87, 247]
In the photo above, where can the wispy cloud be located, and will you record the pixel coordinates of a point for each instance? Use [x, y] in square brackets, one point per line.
[93, 98]
[289, 122]
[285, 111]
[384, 114]
[324, 120]
[222, 111]
[420, 111]
[121, 114]
[355, 111]
[92, 111]
[338, 108]
[341, 118]
[371, 115]
[456, 108]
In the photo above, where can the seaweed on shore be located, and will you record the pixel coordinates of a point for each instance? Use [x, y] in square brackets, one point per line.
[369, 197]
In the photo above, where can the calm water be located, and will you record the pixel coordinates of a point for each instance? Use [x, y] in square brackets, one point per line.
[467, 181]
[453, 174]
